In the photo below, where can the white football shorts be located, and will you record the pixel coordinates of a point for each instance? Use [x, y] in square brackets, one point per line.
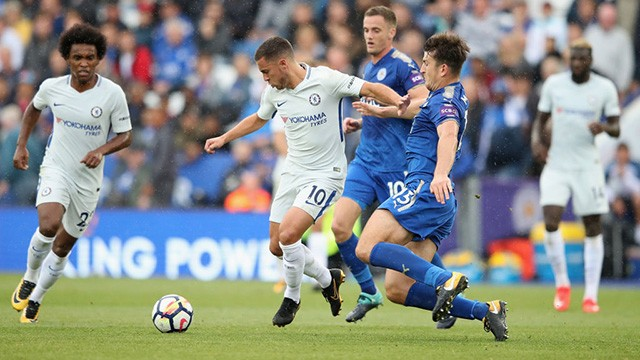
[586, 187]
[312, 193]
[79, 206]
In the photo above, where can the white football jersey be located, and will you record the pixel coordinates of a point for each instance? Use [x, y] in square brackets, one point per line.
[572, 107]
[81, 123]
[312, 116]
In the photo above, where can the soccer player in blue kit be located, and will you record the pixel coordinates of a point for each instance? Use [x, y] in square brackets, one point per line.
[378, 169]
[403, 234]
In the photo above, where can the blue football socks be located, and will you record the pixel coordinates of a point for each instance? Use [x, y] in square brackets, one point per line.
[424, 297]
[359, 269]
[403, 260]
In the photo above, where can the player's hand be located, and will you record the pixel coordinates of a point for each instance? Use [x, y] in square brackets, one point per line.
[403, 105]
[92, 159]
[213, 144]
[21, 158]
[596, 127]
[441, 187]
[350, 125]
[367, 109]
[539, 151]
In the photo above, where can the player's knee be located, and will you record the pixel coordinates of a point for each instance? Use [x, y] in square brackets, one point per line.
[61, 249]
[395, 293]
[551, 226]
[274, 248]
[48, 227]
[362, 252]
[341, 232]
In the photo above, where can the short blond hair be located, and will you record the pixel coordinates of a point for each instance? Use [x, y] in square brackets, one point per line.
[581, 43]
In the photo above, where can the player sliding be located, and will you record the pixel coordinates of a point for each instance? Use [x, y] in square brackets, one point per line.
[405, 231]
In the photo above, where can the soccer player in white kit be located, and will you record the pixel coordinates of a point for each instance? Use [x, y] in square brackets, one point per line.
[308, 100]
[576, 101]
[85, 106]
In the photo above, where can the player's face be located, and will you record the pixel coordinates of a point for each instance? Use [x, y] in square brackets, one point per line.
[273, 73]
[431, 72]
[580, 62]
[378, 35]
[83, 60]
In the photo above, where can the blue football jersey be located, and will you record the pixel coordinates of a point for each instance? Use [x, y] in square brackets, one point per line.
[382, 141]
[447, 103]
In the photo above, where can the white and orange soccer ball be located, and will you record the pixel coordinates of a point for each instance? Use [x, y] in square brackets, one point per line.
[172, 313]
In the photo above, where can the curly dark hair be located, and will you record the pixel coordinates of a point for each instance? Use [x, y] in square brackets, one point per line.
[448, 48]
[82, 34]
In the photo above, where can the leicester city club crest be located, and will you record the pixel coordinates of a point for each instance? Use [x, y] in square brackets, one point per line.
[96, 111]
[382, 73]
[314, 99]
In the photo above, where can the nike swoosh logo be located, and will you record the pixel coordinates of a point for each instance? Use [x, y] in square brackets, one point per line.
[36, 250]
[278, 104]
[56, 104]
[15, 299]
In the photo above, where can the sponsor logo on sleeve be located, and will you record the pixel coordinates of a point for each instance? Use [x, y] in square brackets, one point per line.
[448, 110]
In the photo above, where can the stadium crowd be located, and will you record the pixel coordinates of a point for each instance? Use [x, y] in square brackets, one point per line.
[187, 68]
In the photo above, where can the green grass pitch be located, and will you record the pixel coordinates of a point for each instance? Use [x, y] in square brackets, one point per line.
[99, 318]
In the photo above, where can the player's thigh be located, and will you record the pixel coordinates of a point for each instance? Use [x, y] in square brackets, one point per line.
[79, 213]
[294, 224]
[589, 193]
[555, 187]
[381, 227]
[52, 200]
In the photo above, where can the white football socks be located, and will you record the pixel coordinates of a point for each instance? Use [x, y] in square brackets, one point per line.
[315, 269]
[53, 267]
[593, 257]
[317, 243]
[39, 247]
[554, 247]
[293, 264]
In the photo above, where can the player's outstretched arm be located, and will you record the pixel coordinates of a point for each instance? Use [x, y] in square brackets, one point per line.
[385, 95]
[248, 125]
[93, 158]
[29, 120]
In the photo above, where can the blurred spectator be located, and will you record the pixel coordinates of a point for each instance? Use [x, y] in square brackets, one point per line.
[242, 152]
[411, 42]
[241, 16]
[623, 188]
[144, 31]
[11, 49]
[481, 29]
[547, 33]
[249, 196]
[41, 45]
[16, 20]
[159, 140]
[134, 62]
[17, 187]
[174, 54]
[436, 17]
[130, 184]
[214, 35]
[307, 45]
[612, 47]
[57, 12]
[507, 125]
[582, 13]
[275, 16]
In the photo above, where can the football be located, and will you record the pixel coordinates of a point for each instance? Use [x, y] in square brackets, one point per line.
[172, 313]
